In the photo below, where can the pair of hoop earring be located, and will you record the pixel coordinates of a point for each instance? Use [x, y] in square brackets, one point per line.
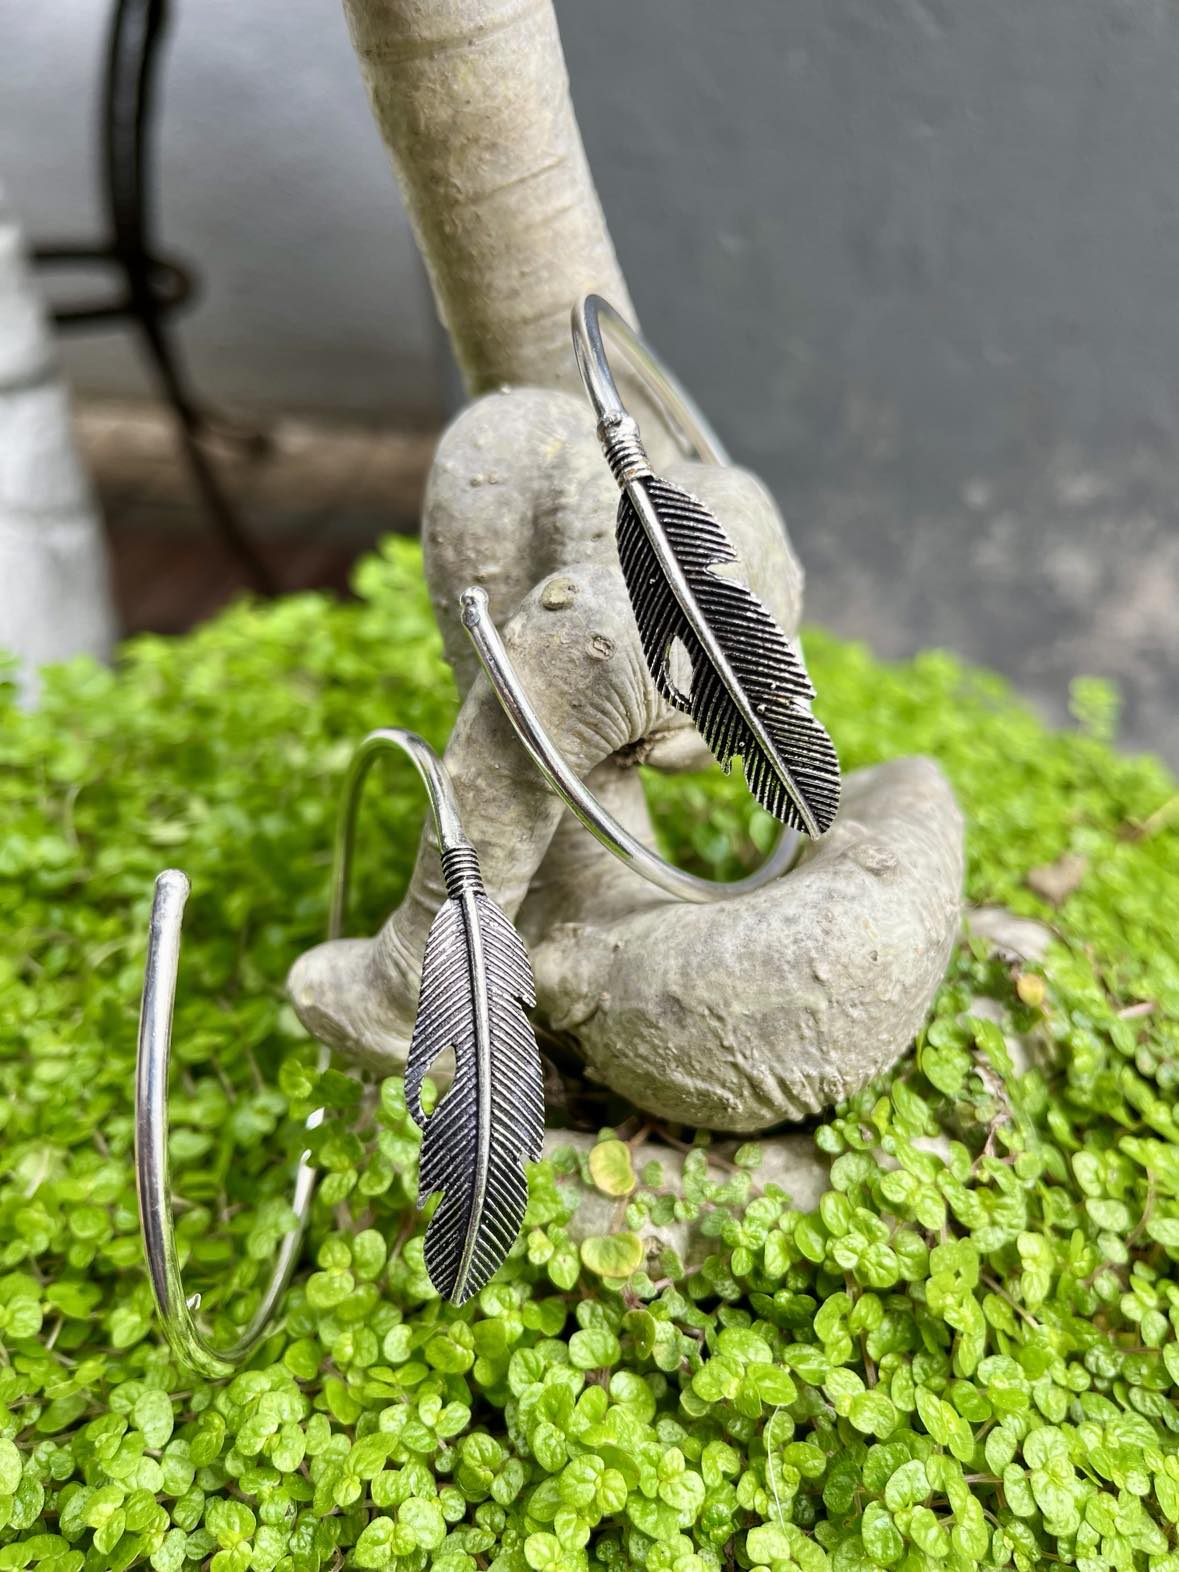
[749, 696]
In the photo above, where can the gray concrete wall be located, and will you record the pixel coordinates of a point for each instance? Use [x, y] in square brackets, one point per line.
[272, 181]
[919, 259]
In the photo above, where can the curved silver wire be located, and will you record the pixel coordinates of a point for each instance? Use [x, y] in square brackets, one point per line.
[152, 1175]
[439, 790]
[593, 318]
[577, 797]
[687, 424]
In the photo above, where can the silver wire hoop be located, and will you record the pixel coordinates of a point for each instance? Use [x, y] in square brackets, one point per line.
[152, 1172]
[578, 798]
[687, 424]
[697, 440]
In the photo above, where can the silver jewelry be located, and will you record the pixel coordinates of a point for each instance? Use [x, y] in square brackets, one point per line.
[476, 986]
[750, 694]
[578, 798]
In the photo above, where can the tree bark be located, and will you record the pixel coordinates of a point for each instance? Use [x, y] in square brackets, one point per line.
[472, 100]
[741, 1014]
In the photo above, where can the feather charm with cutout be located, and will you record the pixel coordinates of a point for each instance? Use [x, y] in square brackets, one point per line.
[749, 693]
[476, 986]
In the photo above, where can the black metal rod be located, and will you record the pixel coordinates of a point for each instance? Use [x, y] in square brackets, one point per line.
[153, 287]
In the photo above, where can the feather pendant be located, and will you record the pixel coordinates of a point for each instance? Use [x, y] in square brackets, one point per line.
[476, 985]
[749, 693]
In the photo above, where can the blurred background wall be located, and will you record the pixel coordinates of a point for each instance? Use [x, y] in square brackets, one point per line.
[919, 260]
[271, 180]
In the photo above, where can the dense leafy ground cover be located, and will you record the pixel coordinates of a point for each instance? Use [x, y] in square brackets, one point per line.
[962, 1358]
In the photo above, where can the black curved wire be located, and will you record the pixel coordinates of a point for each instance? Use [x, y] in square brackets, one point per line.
[151, 287]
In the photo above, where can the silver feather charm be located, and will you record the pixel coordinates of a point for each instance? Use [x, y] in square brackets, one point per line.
[476, 985]
[749, 693]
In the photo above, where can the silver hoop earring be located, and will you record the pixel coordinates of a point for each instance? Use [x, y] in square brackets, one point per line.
[476, 986]
[750, 694]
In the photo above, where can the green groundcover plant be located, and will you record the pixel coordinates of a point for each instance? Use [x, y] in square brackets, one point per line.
[965, 1356]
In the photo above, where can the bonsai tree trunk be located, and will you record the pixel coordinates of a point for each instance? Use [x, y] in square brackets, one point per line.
[472, 99]
[738, 1014]
[54, 587]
